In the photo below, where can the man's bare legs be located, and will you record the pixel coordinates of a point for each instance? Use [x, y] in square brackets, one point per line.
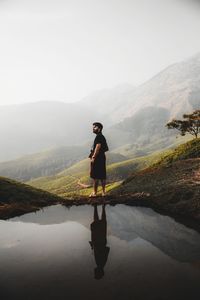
[103, 183]
[95, 187]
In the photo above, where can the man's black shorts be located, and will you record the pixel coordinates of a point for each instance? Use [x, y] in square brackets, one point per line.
[98, 167]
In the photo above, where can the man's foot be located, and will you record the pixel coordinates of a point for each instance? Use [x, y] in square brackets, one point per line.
[103, 194]
[93, 195]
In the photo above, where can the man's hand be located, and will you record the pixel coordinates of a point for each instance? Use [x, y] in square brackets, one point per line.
[92, 159]
[96, 151]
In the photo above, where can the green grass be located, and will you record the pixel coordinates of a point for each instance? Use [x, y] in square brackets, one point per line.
[12, 191]
[17, 198]
[65, 183]
[190, 149]
[88, 191]
[136, 150]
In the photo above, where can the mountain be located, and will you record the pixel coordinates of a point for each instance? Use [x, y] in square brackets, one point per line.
[131, 115]
[145, 128]
[176, 89]
[107, 101]
[171, 93]
[44, 163]
[34, 127]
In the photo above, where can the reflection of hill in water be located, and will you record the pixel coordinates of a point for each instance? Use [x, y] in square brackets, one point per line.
[128, 223]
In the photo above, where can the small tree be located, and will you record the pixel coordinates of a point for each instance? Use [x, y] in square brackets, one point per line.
[190, 124]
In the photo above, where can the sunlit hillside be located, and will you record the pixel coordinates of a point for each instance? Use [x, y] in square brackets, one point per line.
[173, 182]
[75, 179]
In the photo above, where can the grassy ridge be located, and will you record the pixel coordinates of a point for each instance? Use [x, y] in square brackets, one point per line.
[11, 191]
[83, 165]
[170, 179]
[173, 182]
[66, 182]
[187, 150]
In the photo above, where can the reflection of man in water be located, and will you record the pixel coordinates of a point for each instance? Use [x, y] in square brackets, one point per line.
[99, 241]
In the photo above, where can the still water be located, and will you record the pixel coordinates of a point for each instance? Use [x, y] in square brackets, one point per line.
[96, 252]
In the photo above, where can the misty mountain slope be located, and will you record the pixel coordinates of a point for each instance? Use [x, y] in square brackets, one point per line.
[176, 89]
[30, 128]
[139, 119]
[44, 163]
[144, 129]
[108, 101]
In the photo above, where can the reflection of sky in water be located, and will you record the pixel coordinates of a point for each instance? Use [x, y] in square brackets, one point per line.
[147, 251]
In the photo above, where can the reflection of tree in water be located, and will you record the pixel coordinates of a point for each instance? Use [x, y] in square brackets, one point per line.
[99, 241]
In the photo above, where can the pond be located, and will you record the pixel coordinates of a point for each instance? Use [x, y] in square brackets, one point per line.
[98, 252]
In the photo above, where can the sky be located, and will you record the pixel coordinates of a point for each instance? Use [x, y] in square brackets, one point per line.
[63, 50]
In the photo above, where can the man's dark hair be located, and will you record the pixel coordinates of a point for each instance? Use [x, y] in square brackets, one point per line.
[98, 125]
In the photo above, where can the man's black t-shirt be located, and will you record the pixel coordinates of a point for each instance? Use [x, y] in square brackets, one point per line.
[100, 139]
[98, 166]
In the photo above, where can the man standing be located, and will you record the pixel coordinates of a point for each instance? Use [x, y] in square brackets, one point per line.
[98, 159]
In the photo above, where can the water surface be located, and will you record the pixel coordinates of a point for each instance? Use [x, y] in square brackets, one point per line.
[127, 253]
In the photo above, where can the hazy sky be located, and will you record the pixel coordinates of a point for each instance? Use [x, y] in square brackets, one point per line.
[65, 49]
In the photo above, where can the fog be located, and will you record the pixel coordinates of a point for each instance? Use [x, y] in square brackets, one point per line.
[60, 50]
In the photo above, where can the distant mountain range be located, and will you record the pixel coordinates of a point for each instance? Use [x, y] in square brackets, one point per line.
[171, 93]
[44, 163]
[133, 116]
[176, 89]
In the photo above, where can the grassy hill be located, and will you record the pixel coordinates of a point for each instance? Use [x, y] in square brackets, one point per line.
[169, 181]
[190, 149]
[65, 183]
[83, 165]
[18, 198]
[173, 182]
[161, 144]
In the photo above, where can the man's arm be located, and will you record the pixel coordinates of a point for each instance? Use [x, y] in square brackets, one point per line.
[96, 151]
